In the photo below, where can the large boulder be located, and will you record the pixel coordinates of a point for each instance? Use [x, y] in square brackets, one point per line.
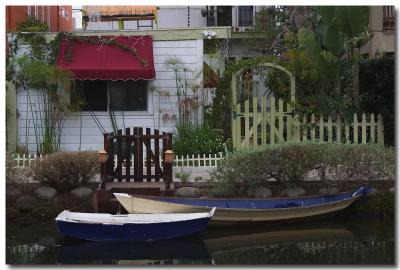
[12, 193]
[25, 203]
[82, 193]
[260, 192]
[329, 190]
[293, 192]
[45, 193]
[187, 192]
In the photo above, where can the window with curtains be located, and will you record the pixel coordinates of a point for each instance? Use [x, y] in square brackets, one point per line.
[101, 95]
[245, 15]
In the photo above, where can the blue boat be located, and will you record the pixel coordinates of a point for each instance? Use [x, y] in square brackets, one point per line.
[131, 227]
[244, 210]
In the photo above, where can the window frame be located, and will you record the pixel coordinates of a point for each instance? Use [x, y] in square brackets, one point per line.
[245, 10]
[148, 111]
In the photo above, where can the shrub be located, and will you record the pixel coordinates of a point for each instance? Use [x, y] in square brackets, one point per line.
[198, 140]
[15, 174]
[291, 162]
[183, 176]
[66, 170]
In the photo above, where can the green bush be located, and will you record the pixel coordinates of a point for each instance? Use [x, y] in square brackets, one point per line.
[197, 140]
[292, 162]
[66, 170]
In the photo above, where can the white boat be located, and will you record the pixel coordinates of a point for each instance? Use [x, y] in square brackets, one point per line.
[244, 210]
[131, 227]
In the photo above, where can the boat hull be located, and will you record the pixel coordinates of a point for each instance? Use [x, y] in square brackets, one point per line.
[131, 232]
[232, 215]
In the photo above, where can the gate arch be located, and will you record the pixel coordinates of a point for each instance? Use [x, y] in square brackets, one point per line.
[253, 122]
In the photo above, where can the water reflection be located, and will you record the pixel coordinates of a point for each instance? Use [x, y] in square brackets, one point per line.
[327, 242]
[189, 248]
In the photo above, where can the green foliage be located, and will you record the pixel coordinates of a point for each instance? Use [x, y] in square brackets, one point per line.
[36, 40]
[32, 25]
[377, 89]
[66, 170]
[184, 177]
[195, 140]
[48, 119]
[291, 162]
[324, 61]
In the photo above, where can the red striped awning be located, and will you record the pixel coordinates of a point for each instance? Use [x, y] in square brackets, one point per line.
[107, 57]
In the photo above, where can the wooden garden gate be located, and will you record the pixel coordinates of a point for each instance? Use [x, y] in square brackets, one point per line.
[137, 156]
[259, 121]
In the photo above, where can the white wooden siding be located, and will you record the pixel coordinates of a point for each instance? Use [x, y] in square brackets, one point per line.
[80, 131]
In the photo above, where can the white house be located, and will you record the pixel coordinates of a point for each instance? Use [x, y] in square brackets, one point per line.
[135, 102]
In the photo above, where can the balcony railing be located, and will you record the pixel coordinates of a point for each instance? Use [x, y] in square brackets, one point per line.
[388, 19]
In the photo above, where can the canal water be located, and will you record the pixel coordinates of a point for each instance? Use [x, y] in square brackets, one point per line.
[332, 241]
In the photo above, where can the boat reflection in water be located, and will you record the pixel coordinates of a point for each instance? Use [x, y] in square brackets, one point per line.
[316, 243]
[191, 248]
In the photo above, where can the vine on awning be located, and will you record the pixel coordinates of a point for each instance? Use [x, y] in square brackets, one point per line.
[98, 40]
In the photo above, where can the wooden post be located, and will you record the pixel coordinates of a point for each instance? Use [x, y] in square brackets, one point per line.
[263, 121]
[148, 155]
[246, 124]
[321, 128]
[330, 128]
[103, 166]
[167, 165]
[140, 153]
[304, 129]
[372, 128]
[234, 113]
[347, 131]
[128, 155]
[136, 153]
[312, 127]
[238, 126]
[338, 128]
[363, 129]
[280, 120]
[272, 122]
[255, 122]
[119, 156]
[157, 154]
[355, 129]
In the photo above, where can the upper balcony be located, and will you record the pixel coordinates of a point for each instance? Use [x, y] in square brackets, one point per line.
[242, 19]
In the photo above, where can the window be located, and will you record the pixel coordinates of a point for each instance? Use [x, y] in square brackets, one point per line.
[245, 15]
[128, 96]
[94, 95]
[99, 95]
[224, 15]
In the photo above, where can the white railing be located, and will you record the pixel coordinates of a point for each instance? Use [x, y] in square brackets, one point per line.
[209, 160]
[25, 160]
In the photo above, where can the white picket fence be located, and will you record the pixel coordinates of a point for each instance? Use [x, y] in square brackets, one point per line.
[210, 160]
[25, 160]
